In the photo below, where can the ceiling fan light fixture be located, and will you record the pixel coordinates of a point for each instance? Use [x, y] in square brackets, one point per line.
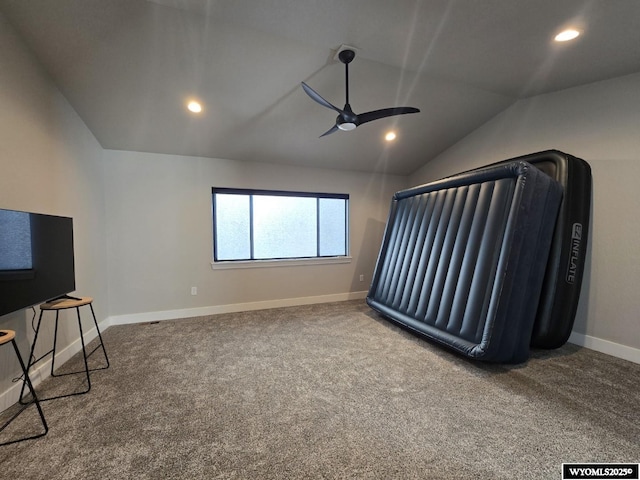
[347, 126]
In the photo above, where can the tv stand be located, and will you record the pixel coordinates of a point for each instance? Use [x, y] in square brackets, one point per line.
[62, 298]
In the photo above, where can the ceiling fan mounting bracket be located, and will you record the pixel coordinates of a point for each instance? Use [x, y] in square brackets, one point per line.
[342, 48]
[347, 56]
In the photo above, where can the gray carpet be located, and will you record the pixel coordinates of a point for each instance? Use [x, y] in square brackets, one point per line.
[324, 391]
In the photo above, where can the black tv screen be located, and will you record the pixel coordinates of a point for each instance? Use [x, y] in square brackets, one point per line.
[36, 259]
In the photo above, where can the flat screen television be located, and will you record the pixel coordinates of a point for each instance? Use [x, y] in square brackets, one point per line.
[36, 259]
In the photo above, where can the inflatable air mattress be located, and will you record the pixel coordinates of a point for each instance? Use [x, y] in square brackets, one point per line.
[563, 277]
[463, 259]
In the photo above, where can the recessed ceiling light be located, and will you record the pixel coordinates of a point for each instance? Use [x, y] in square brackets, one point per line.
[194, 106]
[390, 136]
[566, 35]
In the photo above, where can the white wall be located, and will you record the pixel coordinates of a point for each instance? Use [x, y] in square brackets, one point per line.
[49, 163]
[600, 123]
[160, 233]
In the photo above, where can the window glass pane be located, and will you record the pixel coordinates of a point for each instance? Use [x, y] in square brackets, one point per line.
[232, 227]
[262, 225]
[284, 227]
[333, 235]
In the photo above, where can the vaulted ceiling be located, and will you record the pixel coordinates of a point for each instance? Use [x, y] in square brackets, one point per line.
[128, 68]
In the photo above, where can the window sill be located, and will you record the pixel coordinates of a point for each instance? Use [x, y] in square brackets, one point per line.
[285, 262]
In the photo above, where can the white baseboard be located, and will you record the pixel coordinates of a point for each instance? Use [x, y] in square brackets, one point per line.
[605, 346]
[231, 308]
[43, 369]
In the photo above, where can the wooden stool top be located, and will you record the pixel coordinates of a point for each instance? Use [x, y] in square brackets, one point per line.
[6, 336]
[64, 303]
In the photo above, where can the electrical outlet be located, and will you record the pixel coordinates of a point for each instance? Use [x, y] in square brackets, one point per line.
[194, 290]
[361, 278]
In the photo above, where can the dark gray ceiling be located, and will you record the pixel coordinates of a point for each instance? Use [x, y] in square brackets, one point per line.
[128, 66]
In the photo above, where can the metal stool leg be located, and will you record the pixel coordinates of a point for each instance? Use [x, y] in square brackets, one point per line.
[95, 322]
[32, 360]
[84, 352]
[55, 343]
[25, 406]
[84, 357]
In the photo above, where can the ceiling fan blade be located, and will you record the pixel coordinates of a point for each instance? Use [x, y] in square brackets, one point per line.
[331, 130]
[385, 112]
[316, 96]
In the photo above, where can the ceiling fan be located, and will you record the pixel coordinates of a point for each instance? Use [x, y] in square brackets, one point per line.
[347, 120]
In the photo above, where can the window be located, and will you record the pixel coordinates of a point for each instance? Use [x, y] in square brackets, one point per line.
[272, 225]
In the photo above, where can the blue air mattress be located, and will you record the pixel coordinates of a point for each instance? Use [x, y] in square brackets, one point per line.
[463, 259]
